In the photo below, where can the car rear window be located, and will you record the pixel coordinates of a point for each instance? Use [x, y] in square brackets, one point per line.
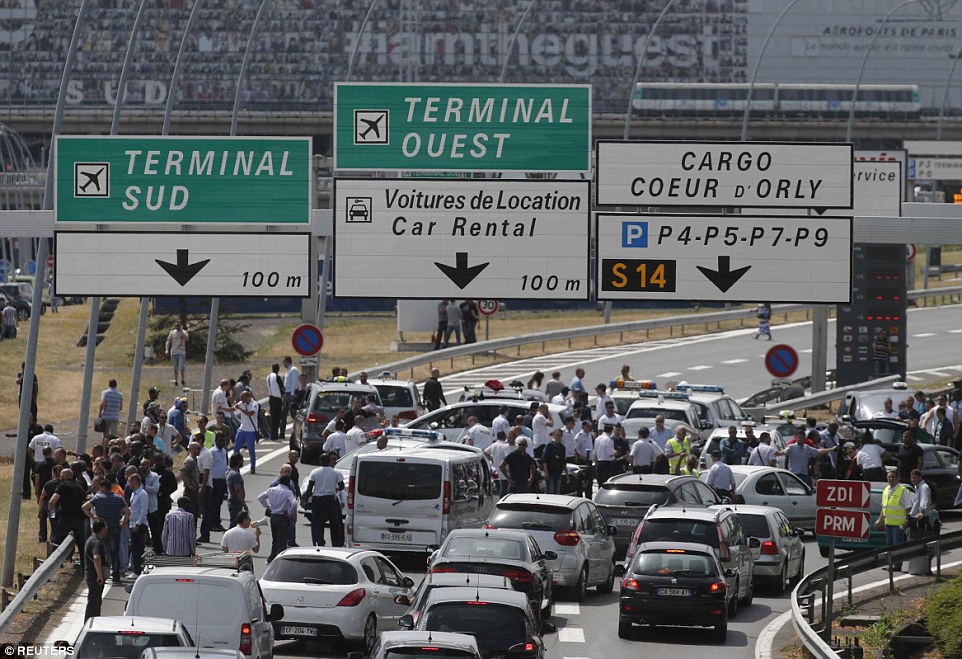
[399, 481]
[631, 494]
[426, 652]
[124, 644]
[652, 412]
[755, 525]
[394, 395]
[680, 530]
[531, 517]
[327, 401]
[476, 547]
[495, 626]
[319, 571]
[662, 563]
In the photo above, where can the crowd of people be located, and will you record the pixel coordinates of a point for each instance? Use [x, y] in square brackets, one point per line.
[302, 46]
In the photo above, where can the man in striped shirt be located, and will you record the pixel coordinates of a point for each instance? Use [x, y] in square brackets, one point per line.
[111, 403]
[112, 509]
[179, 536]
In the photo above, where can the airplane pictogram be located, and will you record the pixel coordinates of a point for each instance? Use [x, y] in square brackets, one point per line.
[372, 127]
[92, 178]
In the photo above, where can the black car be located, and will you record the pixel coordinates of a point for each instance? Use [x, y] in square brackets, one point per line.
[501, 552]
[625, 499]
[670, 583]
[501, 621]
[22, 306]
[940, 464]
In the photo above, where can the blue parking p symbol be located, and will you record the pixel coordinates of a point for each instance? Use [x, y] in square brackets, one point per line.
[634, 234]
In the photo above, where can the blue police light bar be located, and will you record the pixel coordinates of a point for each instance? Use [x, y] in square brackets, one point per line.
[413, 433]
[664, 395]
[705, 388]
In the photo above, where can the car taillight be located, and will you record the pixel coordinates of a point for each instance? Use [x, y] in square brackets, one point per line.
[442, 569]
[350, 493]
[245, 639]
[630, 584]
[769, 548]
[519, 576]
[447, 498]
[567, 538]
[314, 417]
[724, 553]
[529, 647]
[353, 598]
[408, 414]
[488, 526]
[718, 587]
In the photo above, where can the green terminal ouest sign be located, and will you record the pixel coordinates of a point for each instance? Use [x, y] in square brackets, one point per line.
[185, 180]
[464, 127]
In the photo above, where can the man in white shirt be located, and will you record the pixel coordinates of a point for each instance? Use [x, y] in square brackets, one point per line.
[336, 442]
[323, 486]
[609, 417]
[332, 424]
[763, 455]
[246, 436]
[496, 454]
[887, 412]
[603, 399]
[584, 445]
[720, 477]
[568, 438]
[243, 537]
[541, 426]
[219, 400]
[501, 423]
[871, 458]
[604, 454]
[356, 435]
[41, 441]
[562, 398]
[661, 433]
[478, 434]
[643, 453]
[290, 386]
[275, 399]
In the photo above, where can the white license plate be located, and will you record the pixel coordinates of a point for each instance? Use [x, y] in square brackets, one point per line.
[620, 521]
[397, 537]
[675, 592]
[298, 631]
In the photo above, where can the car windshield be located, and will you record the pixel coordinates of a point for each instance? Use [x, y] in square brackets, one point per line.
[310, 570]
[399, 481]
[327, 401]
[393, 395]
[125, 644]
[477, 547]
[871, 403]
[671, 529]
[422, 652]
[496, 627]
[631, 494]
[755, 525]
[531, 517]
[652, 412]
[674, 562]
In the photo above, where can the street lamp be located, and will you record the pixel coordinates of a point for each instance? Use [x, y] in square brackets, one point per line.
[945, 93]
[758, 62]
[861, 68]
[514, 37]
[641, 60]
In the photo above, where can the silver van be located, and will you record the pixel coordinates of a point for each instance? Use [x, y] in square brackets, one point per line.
[405, 499]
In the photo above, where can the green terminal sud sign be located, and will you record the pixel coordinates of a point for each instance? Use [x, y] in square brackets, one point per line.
[462, 127]
[184, 180]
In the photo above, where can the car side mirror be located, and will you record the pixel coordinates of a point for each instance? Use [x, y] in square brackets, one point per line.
[403, 600]
[355, 655]
[406, 621]
[407, 582]
[619, 569]
[846, 418]
[612, 531]
[550, 556]
[277, 613]
[754, 542]
[726, 500]
[705, 425]
[798, 533]
[730, 572]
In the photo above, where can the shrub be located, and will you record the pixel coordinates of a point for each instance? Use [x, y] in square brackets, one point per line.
[944, 610]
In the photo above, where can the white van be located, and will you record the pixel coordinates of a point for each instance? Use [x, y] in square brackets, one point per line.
[220, 608]
[405, 499]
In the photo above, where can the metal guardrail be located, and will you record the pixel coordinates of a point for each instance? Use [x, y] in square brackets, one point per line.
[803, 597]
[815, 400]
[572, 333]
[37, 580]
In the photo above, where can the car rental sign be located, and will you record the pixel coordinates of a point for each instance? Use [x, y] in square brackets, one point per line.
[444, 127]
[729, 174]
[435, 238]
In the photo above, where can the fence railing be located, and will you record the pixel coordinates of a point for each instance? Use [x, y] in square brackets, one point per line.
[571, 333]
[41, 575]
[804, 621]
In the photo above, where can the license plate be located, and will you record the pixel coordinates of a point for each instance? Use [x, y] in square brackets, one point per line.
[619, 521]
[397, 537]
[675, 592]
[298, 631]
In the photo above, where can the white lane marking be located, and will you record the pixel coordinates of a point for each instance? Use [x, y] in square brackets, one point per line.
[806, 350]
[763, 646]
[565, 609]
[571, 635]
[914, 378]
[669, 374]
[701, 367]
[922, 335]
[941, 374]
[955, 331]
[734, 361]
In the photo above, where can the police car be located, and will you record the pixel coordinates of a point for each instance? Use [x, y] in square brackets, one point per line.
[625, 394]
[714, 408]
[675, 406]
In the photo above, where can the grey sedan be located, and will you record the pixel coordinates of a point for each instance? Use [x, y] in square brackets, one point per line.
[779, 488]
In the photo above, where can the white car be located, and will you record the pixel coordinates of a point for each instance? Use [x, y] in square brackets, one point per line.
[776, 547]
[126, 637]
[778, 488]
[400, 398]
[335, 593]
[417, 644]
[674, 406]
[778, 443]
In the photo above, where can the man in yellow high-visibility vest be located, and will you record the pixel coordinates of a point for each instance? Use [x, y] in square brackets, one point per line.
[678, 448]
[896, 502]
